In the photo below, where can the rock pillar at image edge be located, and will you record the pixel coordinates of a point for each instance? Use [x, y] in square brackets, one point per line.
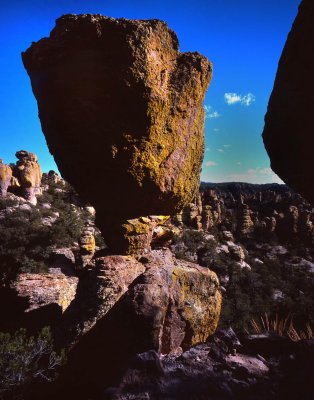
[121, 110]
[289, 126]
[5, 178]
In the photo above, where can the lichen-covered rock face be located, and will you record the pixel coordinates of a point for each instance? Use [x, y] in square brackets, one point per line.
[5, 178]
[121, 109]
[167, 303]
[288, 133]
[45, 289]
[28, 173]
[125, 306]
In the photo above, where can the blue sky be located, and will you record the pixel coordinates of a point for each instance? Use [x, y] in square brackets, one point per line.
[242, 38]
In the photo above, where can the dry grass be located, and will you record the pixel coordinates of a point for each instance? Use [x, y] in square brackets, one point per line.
[282, 327]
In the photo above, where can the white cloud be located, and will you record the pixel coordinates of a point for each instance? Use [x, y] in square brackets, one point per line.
[211, 164]
[239, 163]
[210, 113]
[248, 99]
[216, 130]
[234, 98]
[254, 175]
[221, 150]
[227, 145]
[207, 149]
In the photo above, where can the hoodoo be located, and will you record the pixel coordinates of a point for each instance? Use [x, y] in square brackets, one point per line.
[122, 112]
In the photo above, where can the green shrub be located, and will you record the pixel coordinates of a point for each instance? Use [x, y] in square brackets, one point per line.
[26, 361]
[26, 243]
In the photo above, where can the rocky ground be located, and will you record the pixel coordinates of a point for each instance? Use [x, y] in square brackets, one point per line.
[247, 234]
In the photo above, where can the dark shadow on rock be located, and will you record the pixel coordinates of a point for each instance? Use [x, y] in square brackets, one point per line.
[102, 355]
[13, 315]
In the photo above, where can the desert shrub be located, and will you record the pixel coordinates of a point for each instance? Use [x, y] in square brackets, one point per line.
[283, 326]
[26, 243]
[26, 361]
[23, 243]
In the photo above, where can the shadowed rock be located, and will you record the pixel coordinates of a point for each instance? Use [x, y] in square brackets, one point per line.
[121, 109]
[288, 133]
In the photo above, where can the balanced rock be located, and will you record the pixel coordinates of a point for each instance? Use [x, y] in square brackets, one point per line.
[121, 109]
[5, 178]
[28, 174]
[288, 133]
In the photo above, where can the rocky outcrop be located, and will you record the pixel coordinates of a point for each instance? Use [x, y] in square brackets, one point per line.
[87, 245]
[24, 179]
[245, 224]
[289, 125]
[168, 303]
[270, 212]
[124, 307]
[118, 101]
[28, 174]
[5, 178]
[41, 290]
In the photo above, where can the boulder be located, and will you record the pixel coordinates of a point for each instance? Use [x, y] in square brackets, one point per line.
[124, 307]
[167, 303]
[119, 104]
[288, 133]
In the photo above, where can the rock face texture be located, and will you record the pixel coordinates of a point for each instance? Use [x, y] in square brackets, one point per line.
[5, 178]
[251, 211]
[288, 132]
[24, 178]
[87, 246]
[121, 108]
[169, 303]
[124, 306]
[28, 174]
[45, 289]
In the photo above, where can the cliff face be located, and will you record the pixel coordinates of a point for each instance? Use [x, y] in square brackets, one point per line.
[121, 109]
[288, 133]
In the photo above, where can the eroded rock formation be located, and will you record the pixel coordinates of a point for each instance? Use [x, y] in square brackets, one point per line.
[5, 178]
[121, 109]
[125, 306]
[169, 303]
[28, 174]
[288, 132]
[46, 289]
[24, 178]
[251, 211]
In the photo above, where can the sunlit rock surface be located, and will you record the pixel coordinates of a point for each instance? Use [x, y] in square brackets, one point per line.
[27, 171]
[5, 178]
[121, 109]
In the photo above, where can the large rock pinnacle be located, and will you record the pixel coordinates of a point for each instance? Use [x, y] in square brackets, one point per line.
[121, 109]
[289, 125]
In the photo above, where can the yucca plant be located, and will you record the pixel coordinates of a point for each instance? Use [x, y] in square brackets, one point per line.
[281, 326]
